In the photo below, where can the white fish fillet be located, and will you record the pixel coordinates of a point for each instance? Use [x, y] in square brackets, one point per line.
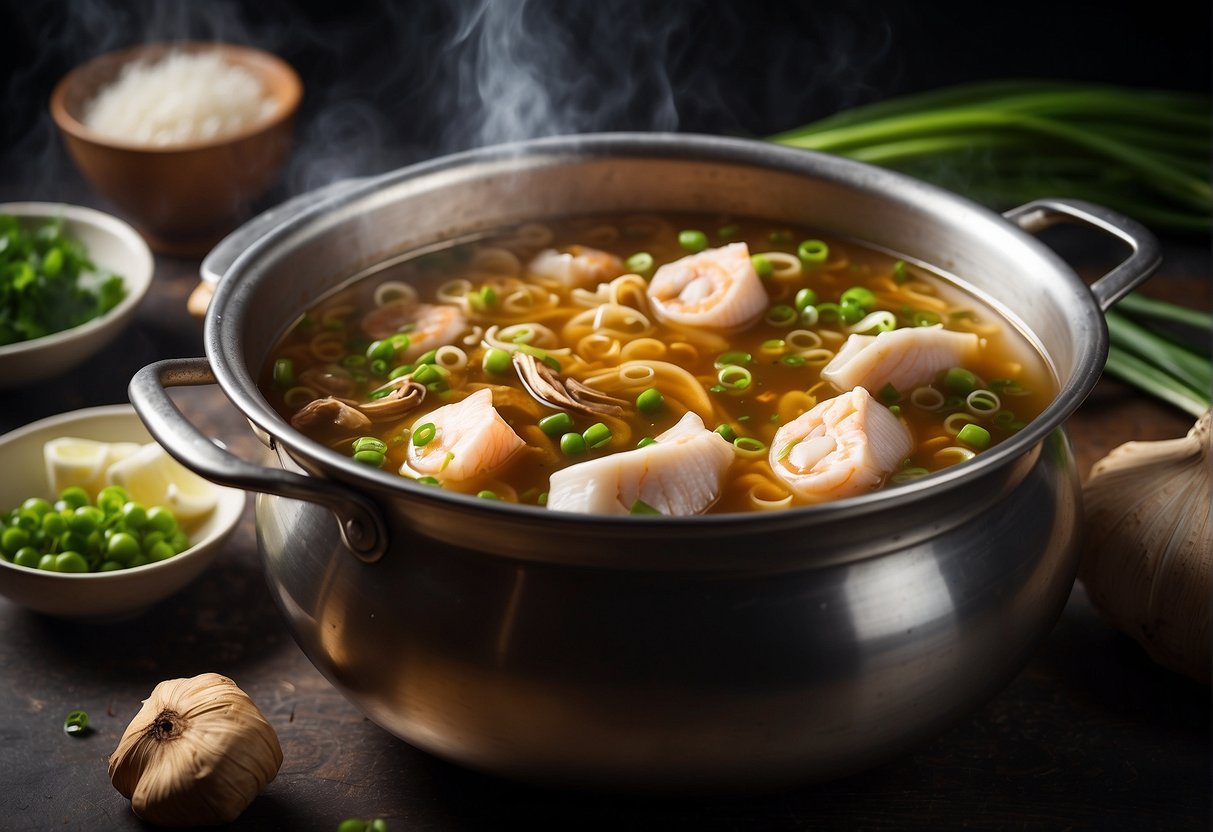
[716, 288]
[904, 357]
[470, 439]
[432, 325]
[680, 474]
[580, 266]
[844, 446]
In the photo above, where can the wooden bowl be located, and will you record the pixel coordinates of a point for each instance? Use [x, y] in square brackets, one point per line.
[185, 197]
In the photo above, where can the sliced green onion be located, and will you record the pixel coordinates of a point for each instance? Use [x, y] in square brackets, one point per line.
[728, 232]
[693, 240]
[487, 495]
[924, 317]
[650, 401]
[975, 436]
[888, 394]
[597, 435]
[75, 723]
[792, 360]
[734, 377]
[370, 443]
[428, 357]
[749, 446]
[372, 458]
[900, 275]
[959, 380]
[763, 267]
[828, 313]
[353, 362]
[383, 350]
[813, 252]
[646, 441]
[781, 315]
[424, 434]
[427, 374]
[401, 370]
[860, 296]
[429, 481]
[556, 424]
[641, 507]
[726, 359]
[780, 236]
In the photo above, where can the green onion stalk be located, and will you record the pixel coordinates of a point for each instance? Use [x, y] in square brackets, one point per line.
[1143, 152]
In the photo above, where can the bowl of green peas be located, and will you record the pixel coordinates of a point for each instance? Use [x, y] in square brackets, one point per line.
[91, 550]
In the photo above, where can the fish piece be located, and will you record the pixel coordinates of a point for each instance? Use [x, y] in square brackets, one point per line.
[716, 289]
[844, 446]
[680, 474]
[470, 439]
[430, 325]
[577, 266]
[904, 357]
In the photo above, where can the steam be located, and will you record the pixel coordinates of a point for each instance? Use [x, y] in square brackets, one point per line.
[403, 82]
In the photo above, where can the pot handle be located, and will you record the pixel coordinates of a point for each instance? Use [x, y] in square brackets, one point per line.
[1143, 260]
[362, 526]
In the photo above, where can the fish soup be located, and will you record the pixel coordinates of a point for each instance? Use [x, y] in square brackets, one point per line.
[656, 365]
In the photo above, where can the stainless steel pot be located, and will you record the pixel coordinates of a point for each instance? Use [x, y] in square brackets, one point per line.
[735, 651]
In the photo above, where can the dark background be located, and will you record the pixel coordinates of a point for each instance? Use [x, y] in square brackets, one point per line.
[387, 83]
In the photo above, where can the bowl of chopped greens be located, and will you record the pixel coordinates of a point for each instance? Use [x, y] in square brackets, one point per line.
[98, 522]
[70, 281]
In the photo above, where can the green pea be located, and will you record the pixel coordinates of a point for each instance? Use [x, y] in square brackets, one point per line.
[161, 520]
[151, 539]
[693, 240]
[763, 267]
[122, 547]
[557, 424]
[111, 566]
[70, 562]
[370, 443]
[73, 540]
[53, 524]
[596, 435]
[572, 444]
[860, 296]
[47, 562]
[28, 557]
[74, 496]
[381, 350]
[37, 505]
[497, 361]
[650, 401]
[640, 263]
[138, 560]
[161, 551]
[134, 515]
[487, 495]
[12, 539]
[179, 541]
[806, 297]
[86, 520]
[284, 373]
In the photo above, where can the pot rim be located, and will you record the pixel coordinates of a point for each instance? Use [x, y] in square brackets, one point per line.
[224, 351]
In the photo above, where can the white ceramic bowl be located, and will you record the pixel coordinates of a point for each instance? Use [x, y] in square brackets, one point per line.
[98, 595]
[113, 246]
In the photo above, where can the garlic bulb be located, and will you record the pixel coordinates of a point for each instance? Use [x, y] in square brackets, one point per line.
[1148, 552]
[196, 754]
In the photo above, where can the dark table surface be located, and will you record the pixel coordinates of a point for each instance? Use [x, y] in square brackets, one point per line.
[1090, 735]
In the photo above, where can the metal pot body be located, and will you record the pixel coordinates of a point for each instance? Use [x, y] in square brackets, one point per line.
[737, 651]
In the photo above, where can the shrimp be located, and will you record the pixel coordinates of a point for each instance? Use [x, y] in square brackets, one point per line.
[579, 266]
[842, 447]
[428, 325]
[904, 358]
[716, 288]
[680, 474]
[469, 438]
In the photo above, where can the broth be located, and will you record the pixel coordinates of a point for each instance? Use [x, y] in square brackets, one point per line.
[468, 308]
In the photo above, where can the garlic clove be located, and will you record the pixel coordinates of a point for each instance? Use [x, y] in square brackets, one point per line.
[1148, 547]
[197, 753]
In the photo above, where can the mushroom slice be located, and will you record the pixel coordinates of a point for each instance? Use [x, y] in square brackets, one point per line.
[329, 378]
[406, 394]
[549, 387]
[329, 416]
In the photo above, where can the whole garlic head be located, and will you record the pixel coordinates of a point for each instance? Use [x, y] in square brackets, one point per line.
[1148, 547]
[197, 753]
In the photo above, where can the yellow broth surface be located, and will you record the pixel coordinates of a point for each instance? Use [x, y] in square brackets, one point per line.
[747, 384]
